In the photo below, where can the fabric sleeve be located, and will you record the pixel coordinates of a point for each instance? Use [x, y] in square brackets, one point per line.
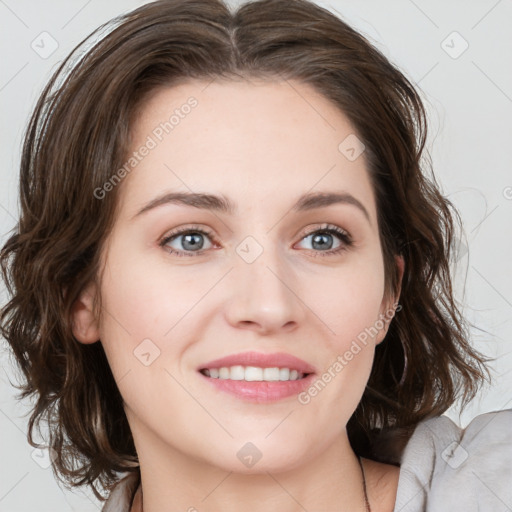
[446, 468]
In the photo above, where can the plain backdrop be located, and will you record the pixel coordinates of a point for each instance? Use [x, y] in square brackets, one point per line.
[458, 55]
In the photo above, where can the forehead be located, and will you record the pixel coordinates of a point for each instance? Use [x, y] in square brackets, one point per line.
[251, 141]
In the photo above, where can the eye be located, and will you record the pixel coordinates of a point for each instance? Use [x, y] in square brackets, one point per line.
[324, 238]
[190, 241]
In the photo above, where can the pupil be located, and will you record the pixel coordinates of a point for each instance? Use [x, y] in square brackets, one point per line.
[189, 243]
[322, 240]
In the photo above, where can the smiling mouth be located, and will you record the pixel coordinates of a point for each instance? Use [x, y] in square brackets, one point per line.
[253, 373]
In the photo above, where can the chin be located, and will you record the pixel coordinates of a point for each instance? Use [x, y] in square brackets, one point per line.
[260, 457]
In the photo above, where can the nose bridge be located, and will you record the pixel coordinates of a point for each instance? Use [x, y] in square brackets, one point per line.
[263, 285]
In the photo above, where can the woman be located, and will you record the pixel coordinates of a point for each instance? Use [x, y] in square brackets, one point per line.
[231, 278]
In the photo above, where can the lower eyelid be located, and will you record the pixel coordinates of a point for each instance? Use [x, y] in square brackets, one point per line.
[344, 239]
[343, 236]
[170, 238]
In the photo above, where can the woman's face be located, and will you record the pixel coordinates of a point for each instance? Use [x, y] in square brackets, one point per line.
[264, 277]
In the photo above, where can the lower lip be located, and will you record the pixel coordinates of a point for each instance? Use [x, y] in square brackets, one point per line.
[260, 391]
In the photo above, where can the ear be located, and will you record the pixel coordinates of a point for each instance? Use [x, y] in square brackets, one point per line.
[388, 307]
[83, 321]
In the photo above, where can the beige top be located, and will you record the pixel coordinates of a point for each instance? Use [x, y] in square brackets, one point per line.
[126, 495]
[443, 469]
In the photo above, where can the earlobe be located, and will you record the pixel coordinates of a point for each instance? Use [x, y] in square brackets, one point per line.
[84, 323]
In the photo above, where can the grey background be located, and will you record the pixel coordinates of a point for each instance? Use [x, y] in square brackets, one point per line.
[469, 98]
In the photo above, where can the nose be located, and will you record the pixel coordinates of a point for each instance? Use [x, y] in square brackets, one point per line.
[265, 295]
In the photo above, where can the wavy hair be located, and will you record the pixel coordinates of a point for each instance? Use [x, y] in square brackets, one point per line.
[79, 133]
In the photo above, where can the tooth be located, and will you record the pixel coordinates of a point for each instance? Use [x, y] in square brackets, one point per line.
[284, 374]
[224, 373]
[237, 373]
[271, 374]
[253, 373]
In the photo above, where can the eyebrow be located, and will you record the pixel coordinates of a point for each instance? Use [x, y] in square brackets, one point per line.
[222, 204]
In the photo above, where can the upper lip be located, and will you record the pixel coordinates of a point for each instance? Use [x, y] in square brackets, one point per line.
[276, 360]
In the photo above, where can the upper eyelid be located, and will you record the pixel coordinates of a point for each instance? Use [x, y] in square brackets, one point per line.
[209, 232]
[191, 229]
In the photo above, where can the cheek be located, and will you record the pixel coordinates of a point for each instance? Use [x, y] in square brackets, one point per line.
[347, 300]
[157, 301]
[140, 303]
[141, 306]
[148, 299]
[348, 305]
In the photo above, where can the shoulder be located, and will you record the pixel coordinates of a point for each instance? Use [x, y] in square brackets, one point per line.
[445, 467]
[121, 495]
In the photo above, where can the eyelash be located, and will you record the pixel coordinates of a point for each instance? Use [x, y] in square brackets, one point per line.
[328, 228]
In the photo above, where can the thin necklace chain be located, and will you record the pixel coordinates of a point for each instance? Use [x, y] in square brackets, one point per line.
[366, 501]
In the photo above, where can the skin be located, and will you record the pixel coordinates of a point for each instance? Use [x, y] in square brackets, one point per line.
[262, 144]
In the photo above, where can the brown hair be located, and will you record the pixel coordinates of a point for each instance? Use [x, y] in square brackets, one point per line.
[79, 134]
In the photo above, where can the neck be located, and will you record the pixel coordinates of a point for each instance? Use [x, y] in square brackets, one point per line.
[172, 480]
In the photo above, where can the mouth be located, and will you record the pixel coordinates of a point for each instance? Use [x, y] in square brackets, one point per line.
[256, 366]
[254, 373]
[257, 377]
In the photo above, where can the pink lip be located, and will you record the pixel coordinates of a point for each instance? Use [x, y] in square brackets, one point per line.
[259, 391]
[276, 360]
